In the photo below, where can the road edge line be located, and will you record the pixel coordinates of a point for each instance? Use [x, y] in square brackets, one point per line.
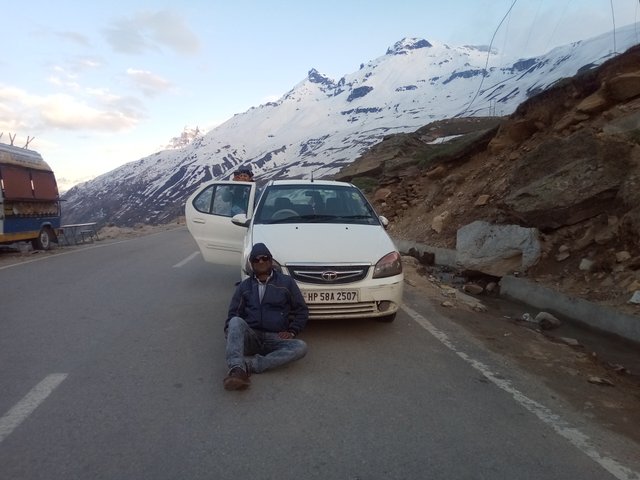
[560, 426]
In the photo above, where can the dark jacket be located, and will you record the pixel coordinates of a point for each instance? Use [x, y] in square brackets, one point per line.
[282, 308]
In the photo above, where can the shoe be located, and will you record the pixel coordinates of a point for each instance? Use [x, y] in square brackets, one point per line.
[236, 379]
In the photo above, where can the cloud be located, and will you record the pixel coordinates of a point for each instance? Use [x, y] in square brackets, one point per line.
[62, 78]
[74, 37]
[67, 77]
[98, 112]
[150, 30]
[85, 63]
[149, 83]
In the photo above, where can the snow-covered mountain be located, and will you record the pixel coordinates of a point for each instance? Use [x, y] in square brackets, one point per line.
[321, 124]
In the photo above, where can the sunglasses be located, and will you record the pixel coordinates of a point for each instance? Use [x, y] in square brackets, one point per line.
[260, 258]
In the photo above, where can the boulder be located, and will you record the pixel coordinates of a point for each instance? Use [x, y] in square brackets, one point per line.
[381, 194]
[497, 250]
[594, 103]
[436, 172]
[627, 125]
[547, 321]
[438, 222]
[622, 256]
[472, 288]
[482, 200]
[586, 265]
[519, 130]
[624, 87]
[570, 119]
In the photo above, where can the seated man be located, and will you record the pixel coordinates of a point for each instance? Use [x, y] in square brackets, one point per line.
[267, 312]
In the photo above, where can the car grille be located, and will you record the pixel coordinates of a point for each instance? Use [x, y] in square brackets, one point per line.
[341, 310]
[328, 275]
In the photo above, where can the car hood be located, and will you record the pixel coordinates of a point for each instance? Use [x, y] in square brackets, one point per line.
[324, 243]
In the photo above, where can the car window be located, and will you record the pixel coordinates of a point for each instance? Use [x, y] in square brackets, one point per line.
[202, 202]
[308, 203]
[225, 200]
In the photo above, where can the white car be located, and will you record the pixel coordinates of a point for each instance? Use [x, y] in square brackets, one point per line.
[325, 234]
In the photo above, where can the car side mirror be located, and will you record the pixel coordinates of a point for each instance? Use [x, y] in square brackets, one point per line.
[241, 220]
[384, 221]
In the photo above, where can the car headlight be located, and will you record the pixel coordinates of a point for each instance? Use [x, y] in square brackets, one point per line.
[388, 266]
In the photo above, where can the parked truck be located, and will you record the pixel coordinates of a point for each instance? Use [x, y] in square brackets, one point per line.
[29, 198]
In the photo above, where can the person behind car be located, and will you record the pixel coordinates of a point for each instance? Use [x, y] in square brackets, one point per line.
[266, 314]
[243, 174]
[239, 201]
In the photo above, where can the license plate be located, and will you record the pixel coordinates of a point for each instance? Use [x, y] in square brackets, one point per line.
[331, 296]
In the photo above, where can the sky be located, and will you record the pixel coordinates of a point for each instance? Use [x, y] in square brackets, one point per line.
[95, 85]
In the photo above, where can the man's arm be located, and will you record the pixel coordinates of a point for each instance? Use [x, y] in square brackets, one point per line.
[299, 309]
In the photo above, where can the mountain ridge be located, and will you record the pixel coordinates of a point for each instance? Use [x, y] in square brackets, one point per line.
[322, 125]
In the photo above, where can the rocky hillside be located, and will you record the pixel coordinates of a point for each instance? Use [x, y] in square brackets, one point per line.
[565, 165]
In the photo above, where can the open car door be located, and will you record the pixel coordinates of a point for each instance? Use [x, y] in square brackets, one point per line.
[208, 214]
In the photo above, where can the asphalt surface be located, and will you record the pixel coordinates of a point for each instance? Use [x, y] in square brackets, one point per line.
[111, 366]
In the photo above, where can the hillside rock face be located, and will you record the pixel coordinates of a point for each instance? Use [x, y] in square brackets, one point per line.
[566, 163]
[566, 180]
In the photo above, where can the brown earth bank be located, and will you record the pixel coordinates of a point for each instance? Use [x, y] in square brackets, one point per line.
[566, 164]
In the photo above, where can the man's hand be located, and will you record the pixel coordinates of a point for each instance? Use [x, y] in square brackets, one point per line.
[286, 335]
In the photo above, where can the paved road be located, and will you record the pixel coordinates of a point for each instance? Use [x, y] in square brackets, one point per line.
[111, 366]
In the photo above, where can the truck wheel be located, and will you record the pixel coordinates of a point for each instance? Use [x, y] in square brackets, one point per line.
[43, 242]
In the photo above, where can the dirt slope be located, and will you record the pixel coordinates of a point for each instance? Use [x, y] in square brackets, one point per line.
[567, 162]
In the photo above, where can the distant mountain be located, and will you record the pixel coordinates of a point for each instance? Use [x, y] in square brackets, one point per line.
[187, 136]
[322, 125]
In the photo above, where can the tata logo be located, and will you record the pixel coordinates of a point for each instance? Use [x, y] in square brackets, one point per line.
[329, 276]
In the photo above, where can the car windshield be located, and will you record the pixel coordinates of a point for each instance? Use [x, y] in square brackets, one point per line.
[311, 203]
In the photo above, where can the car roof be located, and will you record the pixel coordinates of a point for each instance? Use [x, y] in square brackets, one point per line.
[309, 182]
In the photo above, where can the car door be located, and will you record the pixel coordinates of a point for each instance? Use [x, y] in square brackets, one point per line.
[209, 211]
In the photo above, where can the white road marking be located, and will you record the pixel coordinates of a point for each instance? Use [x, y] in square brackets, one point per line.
[186, 260]
[29, 403]
[578, 439]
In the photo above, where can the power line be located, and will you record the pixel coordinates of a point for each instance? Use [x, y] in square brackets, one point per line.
[486, 66]
[533, 23]
[551, 37]
[636, 20]
[613, 19]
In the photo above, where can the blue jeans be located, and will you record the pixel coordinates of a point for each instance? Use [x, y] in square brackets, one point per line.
[258, 350]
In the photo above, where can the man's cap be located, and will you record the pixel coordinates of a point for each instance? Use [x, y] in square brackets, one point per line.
[257, 250]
